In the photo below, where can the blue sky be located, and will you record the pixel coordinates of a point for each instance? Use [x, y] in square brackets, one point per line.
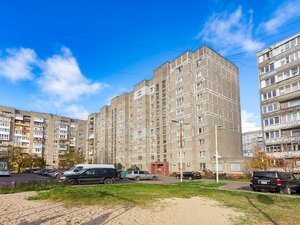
[71, 57]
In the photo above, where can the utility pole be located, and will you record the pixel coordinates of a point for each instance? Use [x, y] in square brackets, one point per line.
[180, 152]
[217, 158]
[181, 145]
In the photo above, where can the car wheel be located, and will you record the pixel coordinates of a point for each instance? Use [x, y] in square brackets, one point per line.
[109, 181]
[177, 177]
[73, 182]
[137, 178]
[154, 178]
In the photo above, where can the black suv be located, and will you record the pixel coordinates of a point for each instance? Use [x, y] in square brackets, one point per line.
[275, 181]
[91, 176]
[189, 175]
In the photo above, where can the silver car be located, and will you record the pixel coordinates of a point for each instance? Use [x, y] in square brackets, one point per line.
[4, 173]
[141, 175]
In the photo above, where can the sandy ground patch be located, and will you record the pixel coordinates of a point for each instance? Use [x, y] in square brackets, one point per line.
[16, 209]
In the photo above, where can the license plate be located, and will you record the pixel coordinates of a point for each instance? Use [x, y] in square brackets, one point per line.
[264, 181]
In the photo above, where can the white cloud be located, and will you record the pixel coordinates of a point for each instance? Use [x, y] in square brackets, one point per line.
[230, 30]
[250, 121]
[18, 64]
[76, 111]
[285, 12]
[61, 78]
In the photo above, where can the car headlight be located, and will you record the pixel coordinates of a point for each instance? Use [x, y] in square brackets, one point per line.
[62, 178]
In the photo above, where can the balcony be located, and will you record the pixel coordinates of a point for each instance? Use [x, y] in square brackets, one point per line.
[38, 119]
[63, 127]
[62, 148]
[282, 140]
[91, 136]
[19, 117]
[288, 154]
[38, 135]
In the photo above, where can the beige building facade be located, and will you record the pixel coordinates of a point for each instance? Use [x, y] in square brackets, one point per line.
[46, 135]
[279, 69]
[200, 89]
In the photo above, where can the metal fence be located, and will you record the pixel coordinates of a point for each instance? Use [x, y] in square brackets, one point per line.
[31, 183]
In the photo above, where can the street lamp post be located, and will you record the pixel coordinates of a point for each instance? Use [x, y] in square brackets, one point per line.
[217, 158]
[180, 151]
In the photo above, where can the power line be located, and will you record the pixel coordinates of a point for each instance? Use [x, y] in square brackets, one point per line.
[82, 36]
[259, 39]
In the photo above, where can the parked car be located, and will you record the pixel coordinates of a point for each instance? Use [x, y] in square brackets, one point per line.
[56, 173]
[4, 173]
[36, 171]
[189, 175]
[77, 168]
[140, 175]
[274, 181]
[91, 176]
[44, 172]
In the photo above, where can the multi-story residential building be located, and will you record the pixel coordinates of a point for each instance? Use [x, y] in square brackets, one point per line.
[252, 140]
[200, 89]
[46, 135]
[6, 129]
[278, 71]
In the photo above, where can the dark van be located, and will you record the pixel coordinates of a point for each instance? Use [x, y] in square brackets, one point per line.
[91, 176]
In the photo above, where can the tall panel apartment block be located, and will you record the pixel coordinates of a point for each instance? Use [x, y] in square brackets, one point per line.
[46, 135]
[198, 88]
[279, 82]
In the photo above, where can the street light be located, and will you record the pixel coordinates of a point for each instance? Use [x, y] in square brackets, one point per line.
[217, 158]
[180, 153]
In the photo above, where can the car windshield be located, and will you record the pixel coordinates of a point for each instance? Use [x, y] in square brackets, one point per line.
[79, 168]
[3, 170]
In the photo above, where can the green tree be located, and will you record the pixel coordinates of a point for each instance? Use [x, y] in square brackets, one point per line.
[74, 158]
[38, 161]
[118, 166]
[19, 159]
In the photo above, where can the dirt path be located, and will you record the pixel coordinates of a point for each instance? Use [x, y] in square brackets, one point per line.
[16, 209]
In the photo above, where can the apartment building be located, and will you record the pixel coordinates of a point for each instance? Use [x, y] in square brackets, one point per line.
[279, 82]
[252, 140]
[46, 135]
[199, 89]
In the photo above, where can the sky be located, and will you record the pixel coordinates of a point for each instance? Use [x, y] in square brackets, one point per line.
[71, 57]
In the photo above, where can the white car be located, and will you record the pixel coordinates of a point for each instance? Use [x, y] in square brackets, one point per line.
[4, 173]
[141, 175]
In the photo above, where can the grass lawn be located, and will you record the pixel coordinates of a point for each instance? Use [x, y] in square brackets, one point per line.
[262, 208]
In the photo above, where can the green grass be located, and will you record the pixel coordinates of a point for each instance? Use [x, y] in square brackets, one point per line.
[265, 208]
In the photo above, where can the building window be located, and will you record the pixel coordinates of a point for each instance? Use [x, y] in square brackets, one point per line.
[202, 166]
[179, 111]
[201, 130]
[272, 134]
[179, 80]
[235, 167]
[201, 141]
[202, 154]
[200, 119]
[183, 155]
[178, 143]
[179, 101]
[179, 69]
[179, 90]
